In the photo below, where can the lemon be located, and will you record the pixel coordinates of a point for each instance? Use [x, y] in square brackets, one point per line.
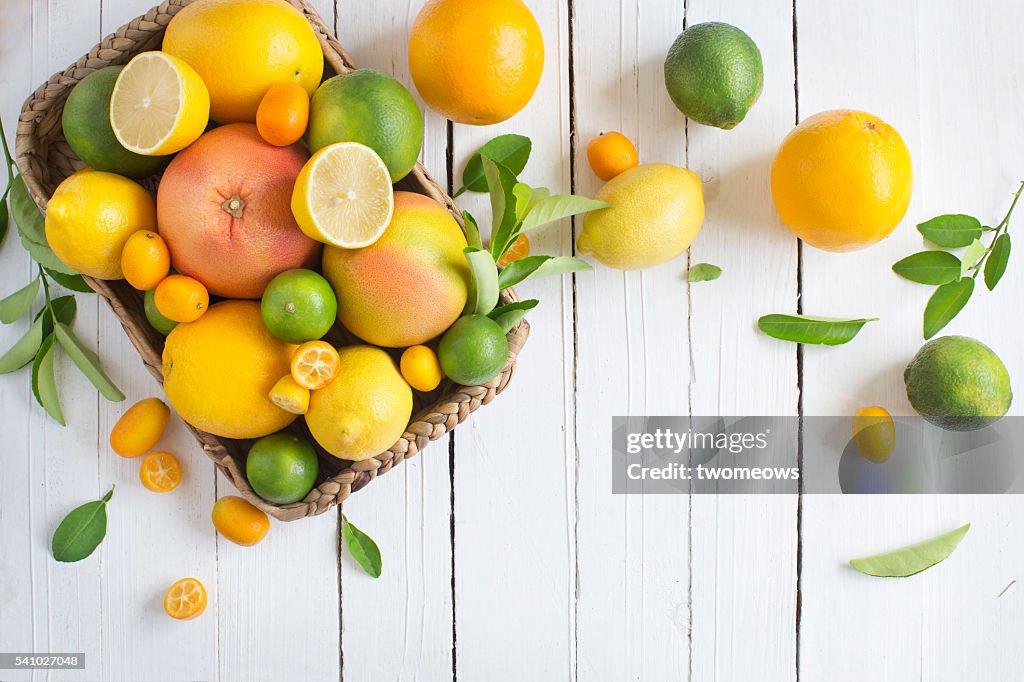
[160, 105]
[289, 396]
[365, 410]
[656, 212]
[90, 217]
[242, 48]
[343, 196]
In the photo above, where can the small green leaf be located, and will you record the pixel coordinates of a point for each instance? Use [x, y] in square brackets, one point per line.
[81, 531]
[70, 282]
[703, 272]
[64, 309]
[907, 561]
[484, 289]
[518, 270]
[538, 194]
[44, 383]
[975, 252]
[523, 194]
[472, 231]
[18, 303]
[503, 208]
[26, 214]
[561, 265]
[558, 207]
[510, 151]
[24, 350]
[508, 316]
[929, 267]
[806, 329]
[5, 219]
[87, 361]
[947, 301]
[952, 231]
[362, 548]
[44, 255]
[995, 266]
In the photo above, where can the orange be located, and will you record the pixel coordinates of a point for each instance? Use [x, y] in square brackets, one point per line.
[314, 364]
[239, 520]
[520, 249]
[610, 154]
[140, 427]
[160, 472]
[841, 180]
[283, 114]
[411, 284]
[181, 298]
[145, 260]
[421, 368]
[185, 599]
[476, 62]
[224, 209]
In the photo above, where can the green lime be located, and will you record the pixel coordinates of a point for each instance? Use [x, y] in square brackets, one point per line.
[473, 350]
[714, 74]
[282, 468]
[86, 123]
[157, 321]
[958, 383]
[372, 108]
[298, 306]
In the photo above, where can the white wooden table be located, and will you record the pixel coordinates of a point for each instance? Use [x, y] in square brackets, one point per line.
[506, 557]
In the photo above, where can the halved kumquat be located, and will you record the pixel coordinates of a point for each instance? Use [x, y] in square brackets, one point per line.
[160, 472]
[315, 364]
[185, 599]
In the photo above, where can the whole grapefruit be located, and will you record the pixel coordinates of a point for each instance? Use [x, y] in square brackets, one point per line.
[224, 209]
[411, 284]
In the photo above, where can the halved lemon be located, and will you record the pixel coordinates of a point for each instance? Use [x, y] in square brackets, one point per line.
[160, 105]
[343, 196]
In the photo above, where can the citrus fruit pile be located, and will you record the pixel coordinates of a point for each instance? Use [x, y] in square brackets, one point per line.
[274, 224]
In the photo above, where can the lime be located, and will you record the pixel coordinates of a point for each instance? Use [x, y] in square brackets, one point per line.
[958, 384]
[714, 74]
[282, 468]
[299, 305]
[157, 320]
[86, 122]
[372, 108]
[473, 350]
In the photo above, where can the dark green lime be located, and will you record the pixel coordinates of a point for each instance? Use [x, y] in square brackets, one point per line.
[473, 350]
[299, 305]
[372, 108]
[86, 123]
[282, 468]
[714, 74]
[958, 383]
[157, 320]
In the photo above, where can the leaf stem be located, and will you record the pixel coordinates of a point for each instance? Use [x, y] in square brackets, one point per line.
[7, 156]
[1001, 229]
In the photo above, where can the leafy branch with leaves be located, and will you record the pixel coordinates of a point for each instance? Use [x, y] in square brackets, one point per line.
[954, 275]
[51, 326]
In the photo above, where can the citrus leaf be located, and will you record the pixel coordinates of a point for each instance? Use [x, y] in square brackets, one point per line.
[503, 208]
[510, 151]
[472, 231]
[557, 207]
[538, 194]
[945, 304]
[816, 330]
[81, 531]
[64, 309]
[518, 270]
[952, 231]
[88, 363]
[44, 383]
[18, 303]
[484, 289]
[362, 548]
[523, 194]
[44, 255]
[929, 267]
[974, 253]
[907, 561]
[703, 272]
[70, 282]
[5, 219]
[25, 212]
[508, 316]
[561, 265]
[995, 266]
[24, 349]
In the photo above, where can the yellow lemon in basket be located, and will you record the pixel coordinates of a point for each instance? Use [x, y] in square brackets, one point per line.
[219, 372]
[365, 409]
[242, 48]
[91, 216]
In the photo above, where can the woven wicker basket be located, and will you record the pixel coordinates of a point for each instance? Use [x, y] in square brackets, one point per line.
[45, 159]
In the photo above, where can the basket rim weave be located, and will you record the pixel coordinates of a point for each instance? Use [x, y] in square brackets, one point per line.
[44, 158]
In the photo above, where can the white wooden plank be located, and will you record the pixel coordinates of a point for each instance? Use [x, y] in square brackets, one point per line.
[633, 358]
[408, 510]
[744, 547]
[513, 482]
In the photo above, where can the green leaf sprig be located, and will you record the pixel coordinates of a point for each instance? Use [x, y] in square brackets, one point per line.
[81, 531]
[825, 331]
[703, 272]
[908, 561]
[516, 208]
[954, 275]
[51, 326]
[362, 548]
